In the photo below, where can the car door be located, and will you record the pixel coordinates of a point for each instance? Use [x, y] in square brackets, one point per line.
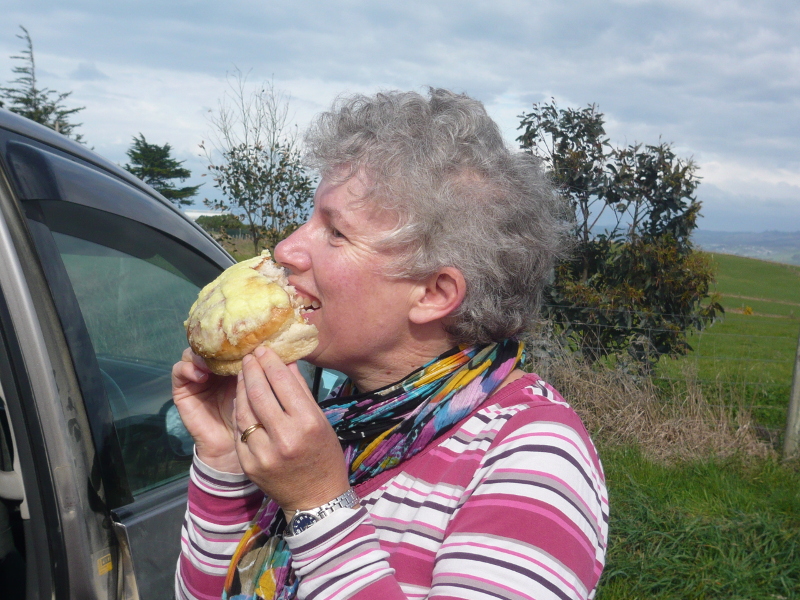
[97, 276]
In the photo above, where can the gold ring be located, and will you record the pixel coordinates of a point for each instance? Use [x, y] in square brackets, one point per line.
[246, 433]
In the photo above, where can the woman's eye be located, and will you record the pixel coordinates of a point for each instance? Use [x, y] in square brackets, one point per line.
[336, 233]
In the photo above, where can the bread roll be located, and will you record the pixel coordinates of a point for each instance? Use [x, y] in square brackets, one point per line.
[250, 304]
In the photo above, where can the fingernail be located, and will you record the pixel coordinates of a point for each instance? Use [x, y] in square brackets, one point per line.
[247, 358]
[239, 376]
[260, 351]
[201, 375]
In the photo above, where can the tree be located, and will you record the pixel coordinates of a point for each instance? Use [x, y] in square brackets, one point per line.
[637, 286]
[42, 105]
[573, 145]
[256, 163]
[154, 165]
[220, 226]
[217, 222]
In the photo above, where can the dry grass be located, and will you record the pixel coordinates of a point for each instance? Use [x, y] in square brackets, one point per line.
[621, 408]
[241, 248]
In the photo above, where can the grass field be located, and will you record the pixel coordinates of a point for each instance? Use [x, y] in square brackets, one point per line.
[702, 529]
[711, 527]
[749, 277]
[748, 356]
[241, 248]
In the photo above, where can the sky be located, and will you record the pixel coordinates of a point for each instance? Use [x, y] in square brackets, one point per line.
[718, 79]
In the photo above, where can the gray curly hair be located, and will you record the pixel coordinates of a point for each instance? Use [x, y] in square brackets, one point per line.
[461, 197]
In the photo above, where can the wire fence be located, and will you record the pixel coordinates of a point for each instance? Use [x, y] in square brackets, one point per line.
[741, 361]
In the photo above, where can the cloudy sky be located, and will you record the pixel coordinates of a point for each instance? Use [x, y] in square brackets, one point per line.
[719, 79]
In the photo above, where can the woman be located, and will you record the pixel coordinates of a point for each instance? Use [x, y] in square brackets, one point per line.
[440, 469]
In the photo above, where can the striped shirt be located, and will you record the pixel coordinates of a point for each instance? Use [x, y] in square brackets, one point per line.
[511, 504]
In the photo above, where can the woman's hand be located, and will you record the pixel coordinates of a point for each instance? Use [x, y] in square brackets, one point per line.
[296, 459]
[205, 402]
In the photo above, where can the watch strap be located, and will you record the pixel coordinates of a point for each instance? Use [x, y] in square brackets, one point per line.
[303, 519]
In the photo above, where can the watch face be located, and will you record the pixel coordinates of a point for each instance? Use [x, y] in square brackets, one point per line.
[301, 522]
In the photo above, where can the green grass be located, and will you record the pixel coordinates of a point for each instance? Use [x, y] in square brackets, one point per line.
[763, 308]
[717, 528]
[707, 529]
[756, 278]
[748, 358]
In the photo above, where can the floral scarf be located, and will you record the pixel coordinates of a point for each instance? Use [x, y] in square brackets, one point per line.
[378, 430]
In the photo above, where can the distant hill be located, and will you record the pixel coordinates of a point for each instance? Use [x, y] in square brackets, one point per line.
[778, 246]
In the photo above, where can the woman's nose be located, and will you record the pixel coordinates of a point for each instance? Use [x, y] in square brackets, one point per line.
[292, 252]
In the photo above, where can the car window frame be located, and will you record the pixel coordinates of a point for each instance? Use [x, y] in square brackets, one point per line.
[175, 226]
[76, 513]
[103, 428]
[53, 457]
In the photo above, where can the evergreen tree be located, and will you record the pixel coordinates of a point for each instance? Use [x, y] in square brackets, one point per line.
[153, 164]
[43, 105]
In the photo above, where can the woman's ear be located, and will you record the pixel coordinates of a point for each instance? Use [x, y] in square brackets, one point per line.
[438, 296]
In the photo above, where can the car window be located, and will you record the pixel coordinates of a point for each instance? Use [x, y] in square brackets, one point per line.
[321, 381]
[134, 286]
[133, 306]
[134, 310]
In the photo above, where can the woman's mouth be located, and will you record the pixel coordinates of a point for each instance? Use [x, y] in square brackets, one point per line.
[307, 304]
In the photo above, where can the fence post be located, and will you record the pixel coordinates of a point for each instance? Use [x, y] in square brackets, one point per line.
[791, 441]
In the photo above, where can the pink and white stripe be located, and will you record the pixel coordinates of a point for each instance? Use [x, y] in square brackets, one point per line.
[511, 504]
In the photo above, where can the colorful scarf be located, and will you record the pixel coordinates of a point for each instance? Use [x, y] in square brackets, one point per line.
[378, 430]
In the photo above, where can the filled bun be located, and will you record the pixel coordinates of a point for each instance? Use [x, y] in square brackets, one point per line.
[250, 304]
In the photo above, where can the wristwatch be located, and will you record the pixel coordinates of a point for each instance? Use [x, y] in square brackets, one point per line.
[303, 519]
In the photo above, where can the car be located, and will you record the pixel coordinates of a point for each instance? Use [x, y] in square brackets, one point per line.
[97, 273]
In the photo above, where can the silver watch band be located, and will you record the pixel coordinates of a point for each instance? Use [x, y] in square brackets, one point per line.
[303, 519]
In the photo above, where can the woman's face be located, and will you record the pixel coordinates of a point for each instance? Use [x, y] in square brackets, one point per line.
[361, 314]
